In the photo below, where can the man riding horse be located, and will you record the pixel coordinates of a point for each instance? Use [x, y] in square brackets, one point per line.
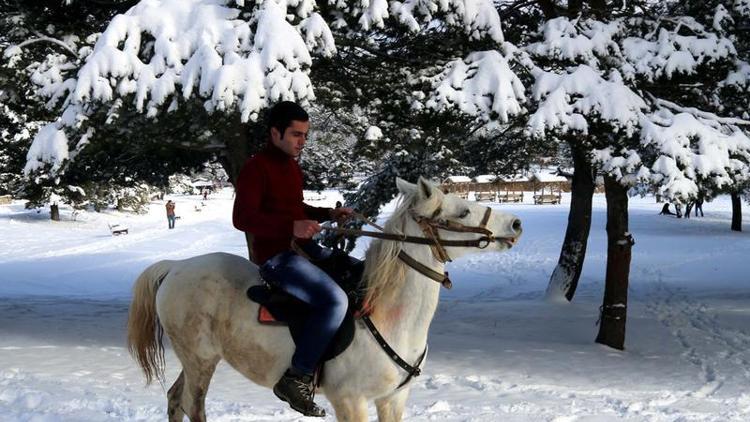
[269, 205]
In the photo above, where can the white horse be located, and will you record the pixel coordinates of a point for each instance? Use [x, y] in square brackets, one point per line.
[201, 304]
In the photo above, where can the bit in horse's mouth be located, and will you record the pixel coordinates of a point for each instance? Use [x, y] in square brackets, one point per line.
[509, 241]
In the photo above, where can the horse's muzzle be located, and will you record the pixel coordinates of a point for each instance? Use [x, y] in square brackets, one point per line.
[517, 230]
[509, 242]
[516, 227]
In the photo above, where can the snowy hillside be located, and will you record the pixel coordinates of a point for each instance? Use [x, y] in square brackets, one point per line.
[498, 351]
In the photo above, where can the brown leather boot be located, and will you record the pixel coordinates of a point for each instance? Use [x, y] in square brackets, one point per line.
[298, 390]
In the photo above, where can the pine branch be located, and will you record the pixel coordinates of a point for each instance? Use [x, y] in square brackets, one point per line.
[41, 39]
[699, 113]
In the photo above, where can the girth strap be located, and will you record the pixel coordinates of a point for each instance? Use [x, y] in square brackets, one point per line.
[425, 270]
[413, 371]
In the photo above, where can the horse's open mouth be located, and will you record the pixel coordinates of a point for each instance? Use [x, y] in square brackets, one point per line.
[508, 241]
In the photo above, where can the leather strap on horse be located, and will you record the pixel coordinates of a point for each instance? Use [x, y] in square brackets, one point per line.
[298, 250]
[425, 270]
[458, 227]
[480, 243]
[412, 371]
[430, 228]
[431, 232]
[431, 225]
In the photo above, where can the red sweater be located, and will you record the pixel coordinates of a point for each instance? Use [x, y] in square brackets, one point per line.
[268, 201]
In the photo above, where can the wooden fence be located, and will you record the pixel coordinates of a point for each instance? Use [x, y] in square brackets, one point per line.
[501, 191]
[500, 186]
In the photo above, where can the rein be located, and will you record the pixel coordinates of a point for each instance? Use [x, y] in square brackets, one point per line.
[480, 243]
[430, 227]
[432, 238]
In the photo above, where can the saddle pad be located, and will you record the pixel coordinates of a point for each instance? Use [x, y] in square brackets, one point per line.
[265, 317]
[282, 309]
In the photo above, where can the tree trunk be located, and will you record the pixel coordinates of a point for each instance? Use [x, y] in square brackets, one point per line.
[564, 279]
[574, 8]
[736, 212]
[240, 145]
[237, 148]
[548, 8]
[599, 7]
[619, 244]
[54, 212]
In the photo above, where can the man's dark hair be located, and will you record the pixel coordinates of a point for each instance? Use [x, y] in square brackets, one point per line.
[281, 115]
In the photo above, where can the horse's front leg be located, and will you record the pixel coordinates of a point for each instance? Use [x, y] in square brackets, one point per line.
[350, 409]
[391, 408]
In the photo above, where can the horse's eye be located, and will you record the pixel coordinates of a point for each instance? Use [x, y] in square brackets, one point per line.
[464, 214]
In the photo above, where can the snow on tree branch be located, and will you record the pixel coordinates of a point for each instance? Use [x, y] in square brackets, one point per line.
[483, 84]
[623, 164]
[739, 77]
[233, 54]
[50, 146]
[721, 15]
[567, 100]
[374, 12]
[742, 7]
[690, 148]
[162, 50]
[17, 49]
[686, 152]
[700, 113]
[477, 18]
[200, 44]
[562, 40]
[672, 53]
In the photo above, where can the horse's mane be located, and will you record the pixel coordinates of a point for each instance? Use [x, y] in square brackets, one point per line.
[382, 266]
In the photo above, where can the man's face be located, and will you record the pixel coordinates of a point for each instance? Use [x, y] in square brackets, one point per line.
[294, 138]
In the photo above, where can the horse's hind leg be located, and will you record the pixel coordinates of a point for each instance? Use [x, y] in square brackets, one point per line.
[188, 394]
[391, 408]
[174, 400]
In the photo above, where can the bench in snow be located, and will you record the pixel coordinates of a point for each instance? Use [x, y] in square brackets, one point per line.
[547, 199]
[117, 229]
[484, 196]
[510, 197]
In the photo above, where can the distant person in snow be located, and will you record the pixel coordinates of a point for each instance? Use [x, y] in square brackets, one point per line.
[205, 194]
[269, 205]
[699, 206]
[665, 210]
[170, 214]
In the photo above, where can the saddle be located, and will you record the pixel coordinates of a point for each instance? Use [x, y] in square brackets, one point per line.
[280, 308]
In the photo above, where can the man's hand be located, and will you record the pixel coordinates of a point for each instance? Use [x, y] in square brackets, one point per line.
[305, 229]
[341, 214]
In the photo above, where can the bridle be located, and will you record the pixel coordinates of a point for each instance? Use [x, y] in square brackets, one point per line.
[431, 227]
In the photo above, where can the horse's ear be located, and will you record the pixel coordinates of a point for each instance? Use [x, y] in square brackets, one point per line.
[405, 187]
[427, 190]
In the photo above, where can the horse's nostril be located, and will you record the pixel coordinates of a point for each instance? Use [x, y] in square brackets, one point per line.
[516, 226]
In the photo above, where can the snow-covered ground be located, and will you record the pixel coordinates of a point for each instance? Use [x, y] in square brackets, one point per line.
[498, 350]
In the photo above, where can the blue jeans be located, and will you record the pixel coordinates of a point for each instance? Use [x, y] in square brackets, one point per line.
[171, 219]
[308, 283]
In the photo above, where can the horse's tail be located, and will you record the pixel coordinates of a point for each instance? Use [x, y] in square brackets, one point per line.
[144, 330]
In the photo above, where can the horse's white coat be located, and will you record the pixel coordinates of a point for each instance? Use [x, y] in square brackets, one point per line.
[204, 310]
